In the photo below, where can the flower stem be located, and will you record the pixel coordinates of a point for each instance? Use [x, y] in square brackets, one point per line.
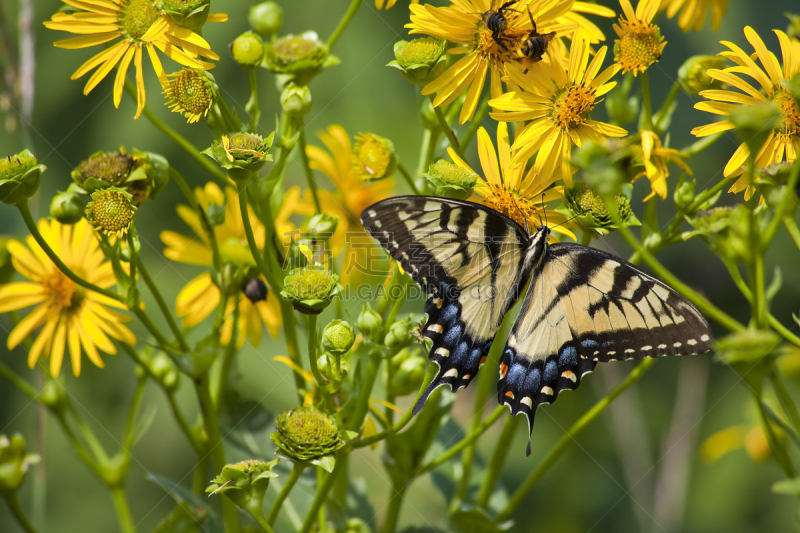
[408, 178]
[322, 383]
[16, 510]
[348, 16]
[477, 119]
[24, 209]
[466, 441]
[586, 238]
[662, 113]
[126, 523]
[312, 183]
[701, 144]
[646, 105]
[294, 475]
[498, 460]
[321, 496]
[569, 437]
[212, 237]
[791, 227]
[785, 398]
[788, 196]
[395, 504]
[425, 147]
[182, 143]
[162, 304]
[362, 406]
[18, 381]
[447, 130]
[252, 105]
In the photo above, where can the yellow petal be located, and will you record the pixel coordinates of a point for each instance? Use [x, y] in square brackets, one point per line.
[86, 41]
[34, 319]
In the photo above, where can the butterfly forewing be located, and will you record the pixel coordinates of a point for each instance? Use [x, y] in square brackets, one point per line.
[468, 259]
[585, 306]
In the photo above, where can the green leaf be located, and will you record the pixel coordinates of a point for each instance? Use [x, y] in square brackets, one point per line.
[469, 519]
[144, 423]
[326, 463]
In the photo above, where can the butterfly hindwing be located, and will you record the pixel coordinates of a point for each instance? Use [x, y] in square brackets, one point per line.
[585, 306]
[468, 259]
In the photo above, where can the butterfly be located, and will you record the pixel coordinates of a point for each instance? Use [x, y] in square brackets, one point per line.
[583, 305]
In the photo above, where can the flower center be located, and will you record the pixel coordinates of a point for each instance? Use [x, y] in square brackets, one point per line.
[137, 17]
[311, 427]
[790, 114]
[16, 165]
[571, 106]
[64, 293]
[189, 90]
[509, 204]
[372, 157]
[294, 49]
[113, 168]
[309, 284]
[420, 51]
[639, 47]
[503, 51]
[111, 211]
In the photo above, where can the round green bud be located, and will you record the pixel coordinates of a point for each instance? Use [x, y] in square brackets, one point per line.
[296, 100]
[370, 323]
[399, 334]
[322, 226]
[54, 397]
[684, 193]
[408, 376]
[242, 155]
[297, 58]
[310, 290]
[245, 482]
[327, 367]
[357, 525]
[306, 434]
[248, 50]
[590, 211]
[266, 18]
[693, 74]
[451, 180]
[19, 177]
[338, 337]
[374, 157]
[14, 463]
[67, 207]
[420, 60]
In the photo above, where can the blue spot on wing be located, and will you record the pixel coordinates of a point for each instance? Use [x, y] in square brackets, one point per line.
[460, 352]
[551, 371]
[533, 380]
[449, 315]
[568, 357]
[516, 375]
[452, 336]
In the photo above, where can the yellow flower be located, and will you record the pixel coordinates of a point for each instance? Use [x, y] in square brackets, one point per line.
[379, 4]
[462, 24]
[693, 12]
[656, 159]
[640, 43]
[139, 24]
[751, 438]
[783, 142]
[352, 195]
[68, 313]
[556, 103]
[201, 296]
[507, 189]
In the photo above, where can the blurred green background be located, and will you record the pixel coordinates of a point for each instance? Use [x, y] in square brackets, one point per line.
[636, 469]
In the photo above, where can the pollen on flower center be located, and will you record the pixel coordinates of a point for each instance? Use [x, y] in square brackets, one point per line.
[640, 45]
[488, 46]
[137, 17]
[62, 291]
[509, 204]
[571, 105]
[790, 114]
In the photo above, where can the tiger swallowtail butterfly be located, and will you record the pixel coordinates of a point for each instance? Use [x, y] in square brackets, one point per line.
[583, 305]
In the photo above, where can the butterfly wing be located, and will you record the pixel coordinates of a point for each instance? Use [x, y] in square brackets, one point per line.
[585, 306]
[468, 259]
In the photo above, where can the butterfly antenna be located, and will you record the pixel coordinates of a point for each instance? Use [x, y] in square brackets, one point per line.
[521, 212]
[568, 220]
[543, 211]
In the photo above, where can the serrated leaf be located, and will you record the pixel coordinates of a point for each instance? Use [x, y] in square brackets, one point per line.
[144, 423]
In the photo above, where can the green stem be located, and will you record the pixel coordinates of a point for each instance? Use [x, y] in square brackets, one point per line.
[362, 406]
[466, 441]
[252, 105]
[662, 113]
[182, 143]
[24, 209]
[268, 273]
[497, 462]
[569, 437]
[127, 440]
[760, 309]
[648, 108]
[586, 238]
[294, 475]
[701, 144]
[321, 496]
[312, 183]
[395, 505]
[791, 227]
[447, 130]
[785, 398]
[778, 451]
[408, 178]
[215, 447]
[126, 523]
[227, 360]
[477, 120]
[423, 151]
[322, 383]
[189, 195]
[162, 304]
[18, 381]
[16, 510]
[348, 16]
[788, 196]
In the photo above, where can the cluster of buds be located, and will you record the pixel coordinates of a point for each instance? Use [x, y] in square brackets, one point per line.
[142, 174]
[14, 464]
[406, 371]
[726, 230]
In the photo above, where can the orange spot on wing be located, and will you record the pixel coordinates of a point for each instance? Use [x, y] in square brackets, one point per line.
[483, 361]
[503, 370]
[510, 394]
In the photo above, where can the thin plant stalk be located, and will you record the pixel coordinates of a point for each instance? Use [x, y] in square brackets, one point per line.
[162, 305]
[312, 183]
[497, 461]
[408, 178]
[294, 475]
[126, 523]
[647, 107]
[320, 497]
[19, 514]
[447, 130]
[348, 16]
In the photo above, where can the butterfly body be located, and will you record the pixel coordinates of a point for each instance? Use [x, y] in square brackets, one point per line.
[583, 305]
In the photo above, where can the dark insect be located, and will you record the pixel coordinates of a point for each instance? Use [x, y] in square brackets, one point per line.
[535, 44]
[496, 22]
[584, 306]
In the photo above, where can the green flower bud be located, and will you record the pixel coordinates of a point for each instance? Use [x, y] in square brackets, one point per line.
[754, 123]
[111, 211]
[748, 346]
[726, 230]
[191, 14]
[296, 100]
[19, 177]
[67, 207]
[374, 157]
[54, 397]
[241, 154]
[590, 210]
[370, 323]
[298, 58]
[191, 92]
[310, 290]
[793, 29]
[266, 18]
[451, 180]
[408, 374]
[14, 463]
[327, 365]
[338, 337]
[399, 334]
[684, 193]
[306, 434]
[602, 166]
[143, 174]
[356, 525]
[322, 226]
[216, 214]
[693, 74]
[421, 60]
[245, 483]
[160, 367]
[248, 50]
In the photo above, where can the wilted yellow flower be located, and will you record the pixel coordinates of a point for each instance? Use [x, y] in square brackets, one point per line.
[555, 103]
[139, 24]
[69, 314]
[783, 141]
[656, 159]
[191, 92]
[693, 12]
[462, 24]
[640, 43]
